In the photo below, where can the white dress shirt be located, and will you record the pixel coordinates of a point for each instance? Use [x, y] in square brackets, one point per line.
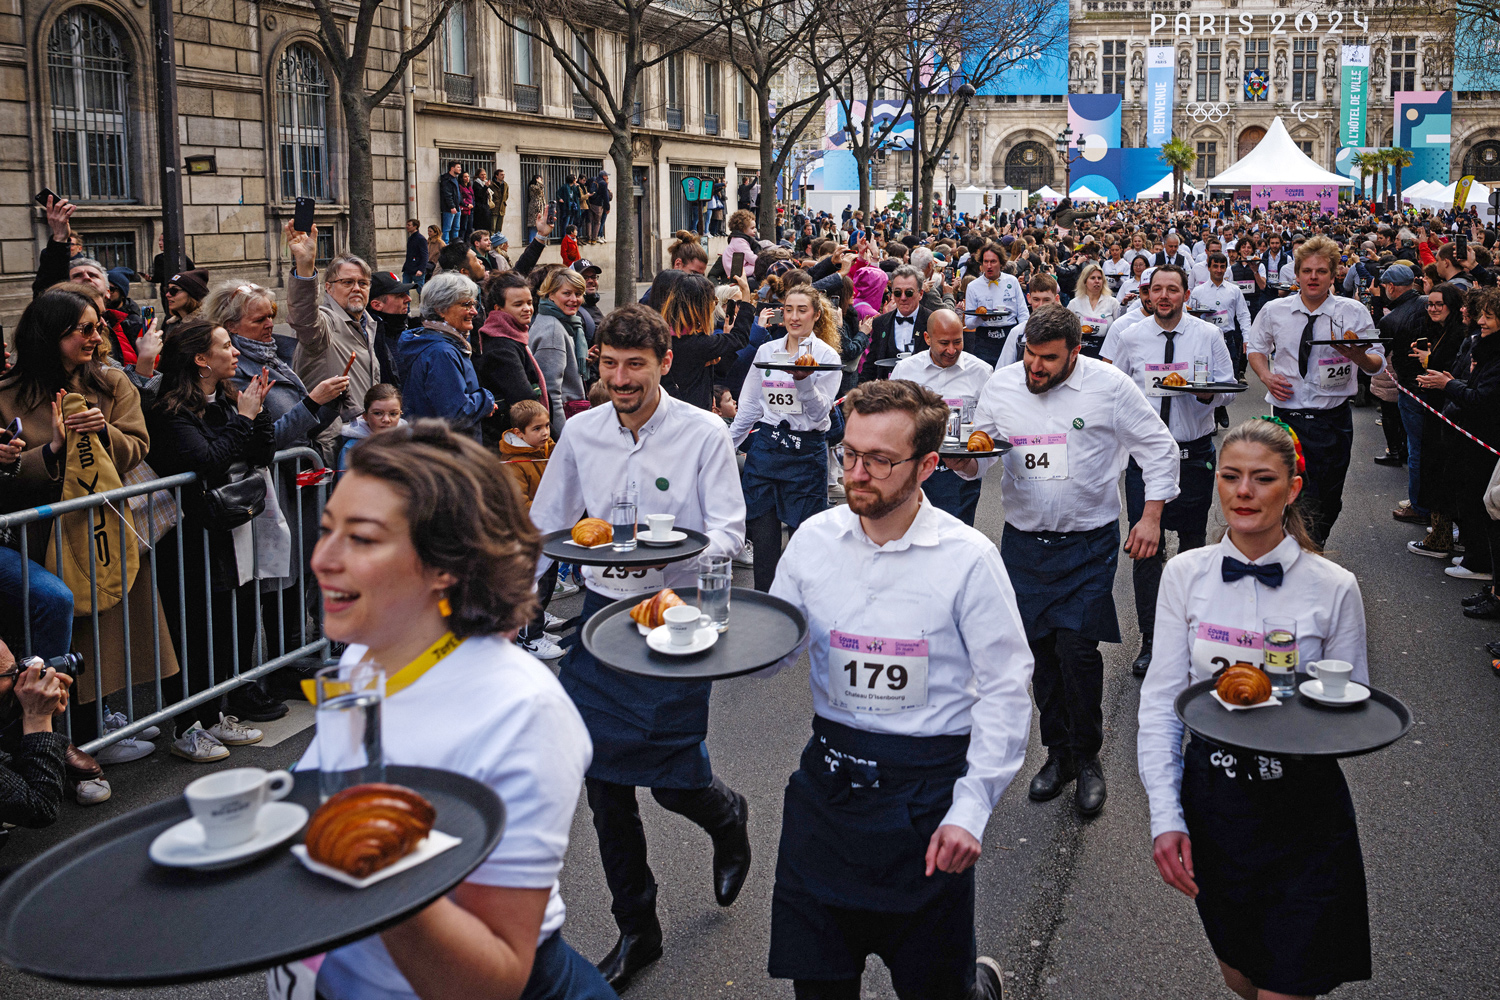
[1088, 426]
[1288, 274]
[803, 403]
[964, 379]
[1116, 271]
[1227, 303]
[1140, 349]
[1125, 321]
[942, 583]
[683, 464]
[1321, 596]
[1003, 292]
[904, 328]
[1331, 377]
[1098, 316]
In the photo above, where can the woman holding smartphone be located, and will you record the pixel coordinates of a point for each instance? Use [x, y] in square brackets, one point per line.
[1267, 847]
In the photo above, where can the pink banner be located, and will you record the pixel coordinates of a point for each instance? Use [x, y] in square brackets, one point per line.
[1262, 195]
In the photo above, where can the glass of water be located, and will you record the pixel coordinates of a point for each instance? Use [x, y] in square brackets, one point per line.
[715, 578]
[1281, 655]
[1200, 370]
[622, 519]
[348, 734]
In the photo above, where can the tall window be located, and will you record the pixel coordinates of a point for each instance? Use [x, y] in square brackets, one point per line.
[302, 92]
[1403, 64]
[742, 103]
[674, 92]
[1304, 69]
[1209, 88]
[1207, 164]
[581, 45]
[1258, 56]
[525, 68]
[711, 98]
[1114, 68]
[89, 76]
[456, 39]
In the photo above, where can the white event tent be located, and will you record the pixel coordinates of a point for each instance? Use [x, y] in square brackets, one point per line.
[1046, 193]
[1164, 187]
[1083, 193]
[1276, 160]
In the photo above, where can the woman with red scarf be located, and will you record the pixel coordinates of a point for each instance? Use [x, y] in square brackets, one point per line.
[506, 366]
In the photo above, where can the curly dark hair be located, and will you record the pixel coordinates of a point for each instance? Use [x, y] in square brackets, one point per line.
[465, 520]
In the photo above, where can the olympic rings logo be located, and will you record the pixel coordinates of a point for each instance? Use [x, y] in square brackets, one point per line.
[1201, 112]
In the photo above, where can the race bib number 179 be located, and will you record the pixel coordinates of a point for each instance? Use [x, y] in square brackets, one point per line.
[868, 673]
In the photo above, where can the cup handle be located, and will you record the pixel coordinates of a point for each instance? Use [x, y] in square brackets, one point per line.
[1312, 669]
[704, 621]
[278, 785]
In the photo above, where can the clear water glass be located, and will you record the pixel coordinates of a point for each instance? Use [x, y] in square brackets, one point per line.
[1200, 370]
[622, 518]
[348, 720]
[955, 422]
[715, 580]
[1281, 655]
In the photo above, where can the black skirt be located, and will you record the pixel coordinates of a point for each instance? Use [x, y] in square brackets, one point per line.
[1281, 880]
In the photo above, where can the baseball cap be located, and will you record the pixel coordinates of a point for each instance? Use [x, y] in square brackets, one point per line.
[584, 266]
[387, 283]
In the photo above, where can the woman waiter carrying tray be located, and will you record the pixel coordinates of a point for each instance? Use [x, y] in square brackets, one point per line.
[1267, 847]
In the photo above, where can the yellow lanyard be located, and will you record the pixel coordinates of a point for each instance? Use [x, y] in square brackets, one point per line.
[407, 675]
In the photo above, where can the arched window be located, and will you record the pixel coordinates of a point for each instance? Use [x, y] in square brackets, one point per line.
[89, 78]
[302, 92]
[1483, 162]
[1028, 166]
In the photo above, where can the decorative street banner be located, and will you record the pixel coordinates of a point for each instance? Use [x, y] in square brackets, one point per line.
[1161, 77]
[1461, 192]
[1424, 123]
[836, 130]
[1257, 83]
[1354, 95]
[1030, 68]
[1327, 196]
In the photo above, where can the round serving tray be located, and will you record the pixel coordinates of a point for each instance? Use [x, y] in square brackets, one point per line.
[1299, 726]
[558, 545]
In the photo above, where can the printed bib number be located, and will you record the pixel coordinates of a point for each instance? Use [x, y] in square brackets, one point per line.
[1218, 646]
[1152, 375]
[1248, 287]
[624, 581]
[1334, 372]
[1039, 456]
[867, 673]
[781, 395]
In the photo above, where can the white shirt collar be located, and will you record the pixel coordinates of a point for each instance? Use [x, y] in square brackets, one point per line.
[921, 531]
[654, 423]
[1286, 552]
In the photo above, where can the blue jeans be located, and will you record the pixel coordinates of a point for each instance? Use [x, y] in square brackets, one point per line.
[51, 605]
[1411, 419]
[451, 222]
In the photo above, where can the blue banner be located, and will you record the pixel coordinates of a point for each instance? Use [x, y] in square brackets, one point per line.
[1030, 69]
[1161, 76]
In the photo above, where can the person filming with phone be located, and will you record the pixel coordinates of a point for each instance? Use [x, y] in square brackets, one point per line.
[31, 767]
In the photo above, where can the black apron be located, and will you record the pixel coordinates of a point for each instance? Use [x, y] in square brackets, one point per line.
[785, 471]
[948, 492]
[1064, 580]
[1281, 880]
[646, 732]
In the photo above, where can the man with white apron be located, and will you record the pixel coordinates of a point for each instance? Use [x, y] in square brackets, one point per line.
[1149, 352]
[676, 459]
[958, 378]
[1310, 384]
[993, 304]
[921, 717]
[1072, 423]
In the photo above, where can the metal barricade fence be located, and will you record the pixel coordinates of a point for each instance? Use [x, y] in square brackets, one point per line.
[111, 503]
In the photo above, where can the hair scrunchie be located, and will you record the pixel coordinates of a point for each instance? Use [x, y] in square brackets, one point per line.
[1296, 441]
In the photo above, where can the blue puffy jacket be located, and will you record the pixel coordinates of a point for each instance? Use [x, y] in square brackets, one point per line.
[438, 380]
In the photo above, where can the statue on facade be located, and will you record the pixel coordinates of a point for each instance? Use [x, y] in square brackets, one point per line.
[1073, 62]
[1184, 71]
[1330, 71]
[1377, 71]
[1281, 67]
[1138, 67]
[1090, 68]
[1232, 68]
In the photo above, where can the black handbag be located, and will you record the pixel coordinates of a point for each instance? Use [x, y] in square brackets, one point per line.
[237, 502]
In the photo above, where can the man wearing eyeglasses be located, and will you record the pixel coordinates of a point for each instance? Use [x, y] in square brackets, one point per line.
[331, 328]
[902, 330]
[918, 672]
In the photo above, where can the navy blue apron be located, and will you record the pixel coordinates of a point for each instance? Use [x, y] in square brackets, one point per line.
[986, 342]
[948, 492]
[785, 471]
[1064, 580]
[646, 732]
[856, 821]
[1281, 880]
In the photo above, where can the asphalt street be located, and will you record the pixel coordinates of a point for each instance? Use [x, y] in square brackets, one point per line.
[1070, 908]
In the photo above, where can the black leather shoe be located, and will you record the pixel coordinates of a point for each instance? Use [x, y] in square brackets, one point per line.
[1474, 600]
[732, 856]
[1090, 794]
[249, 703]
[1053, 777]
[1143, 662]
[1488, 611]
[1221, 416]
[987, 980]
[631, 954]
[1389, 459]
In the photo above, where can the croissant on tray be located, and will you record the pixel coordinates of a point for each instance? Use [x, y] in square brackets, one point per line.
[980, 441]
[592, 531]
[1242, 685]
[649, 612]
[368, 827]
[805, 361]
[1173, 378]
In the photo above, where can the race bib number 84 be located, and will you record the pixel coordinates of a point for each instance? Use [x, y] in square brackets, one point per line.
[1038, 456]
[882, 676]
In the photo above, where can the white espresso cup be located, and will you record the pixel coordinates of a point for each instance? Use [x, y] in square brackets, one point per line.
[1333, 674]
[226, 804]
[683, 623]
[660, 525]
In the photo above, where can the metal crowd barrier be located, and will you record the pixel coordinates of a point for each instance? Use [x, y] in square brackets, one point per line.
[237, 673]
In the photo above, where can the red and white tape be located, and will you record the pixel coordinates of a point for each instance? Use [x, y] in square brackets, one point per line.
[1445, 420]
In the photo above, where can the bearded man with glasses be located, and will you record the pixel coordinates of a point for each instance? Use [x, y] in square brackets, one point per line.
[901, 331]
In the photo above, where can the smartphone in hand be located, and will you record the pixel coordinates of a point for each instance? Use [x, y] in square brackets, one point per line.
[737, 264]
[44, 194]
[302, 217]
[12, 432]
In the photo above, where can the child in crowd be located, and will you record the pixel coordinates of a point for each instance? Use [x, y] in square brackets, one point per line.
[570, 246]
[526, 446]
[724, 403]
[382, 412]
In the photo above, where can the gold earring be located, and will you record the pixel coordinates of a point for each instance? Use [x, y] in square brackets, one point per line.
[444, 608]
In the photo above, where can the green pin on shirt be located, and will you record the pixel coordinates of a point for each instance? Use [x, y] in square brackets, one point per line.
[662, 483]
[1078, 423]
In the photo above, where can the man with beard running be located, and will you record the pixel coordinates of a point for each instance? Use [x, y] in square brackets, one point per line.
[921, 718]
[1072, 423]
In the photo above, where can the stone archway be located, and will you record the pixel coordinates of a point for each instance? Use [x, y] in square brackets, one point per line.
[1249, 139]
[1028, 166]
[1483, 161]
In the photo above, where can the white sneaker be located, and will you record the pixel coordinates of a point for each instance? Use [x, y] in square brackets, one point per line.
[543, 647]
[199, 746]
[231, 732]
[1463, 573]
[126, 750]
[565, 588]
[1458, 560]
[117, 720]
[551, 623]
[92, 792]
[745, 557]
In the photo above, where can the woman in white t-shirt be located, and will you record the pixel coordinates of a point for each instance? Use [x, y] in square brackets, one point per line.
[1095, 307]
[425, 562]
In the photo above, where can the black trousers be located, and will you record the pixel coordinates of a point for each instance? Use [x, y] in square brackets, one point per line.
[1479, 532]
[764, 534]
[1327, 436]
[622, 839]
[1187, 515]
[1068, 683]
[1395, 431]
[544, 590]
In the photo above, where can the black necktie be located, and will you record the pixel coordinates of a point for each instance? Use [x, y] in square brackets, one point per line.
[1305, 350]
[1270, 574]
[1166, 357]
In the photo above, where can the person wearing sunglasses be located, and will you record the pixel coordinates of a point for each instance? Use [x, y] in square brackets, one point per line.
[901, 331]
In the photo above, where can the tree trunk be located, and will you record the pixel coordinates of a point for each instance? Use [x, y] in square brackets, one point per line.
[926, 217]
[1397, 168]
[765, 219]
[862, 164]
[621, 155]
[362, 241]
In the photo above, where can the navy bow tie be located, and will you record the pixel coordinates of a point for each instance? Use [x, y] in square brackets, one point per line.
[1269, 574]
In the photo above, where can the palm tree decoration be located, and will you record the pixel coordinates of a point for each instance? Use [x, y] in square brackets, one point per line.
[1178, 155]
[1365, 164]
[1383, 165]
[1399, 158]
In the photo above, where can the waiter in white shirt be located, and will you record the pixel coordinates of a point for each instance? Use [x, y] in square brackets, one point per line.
[1149, 352]
[1310, 384]
[993, 304]
[677, 459]
[1200, 273]
[921, 719]
[1227, 309]
[1072, 422]
[1249, 276]
[958, 378]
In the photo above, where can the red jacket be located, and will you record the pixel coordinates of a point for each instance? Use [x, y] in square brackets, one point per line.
[570, 251]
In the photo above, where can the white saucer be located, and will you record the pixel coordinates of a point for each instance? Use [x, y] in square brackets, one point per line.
[181, 846]
[672, 539]
[1353, 693]
[660, 640]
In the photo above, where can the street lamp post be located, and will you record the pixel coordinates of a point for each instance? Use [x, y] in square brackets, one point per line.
[1063, 145]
